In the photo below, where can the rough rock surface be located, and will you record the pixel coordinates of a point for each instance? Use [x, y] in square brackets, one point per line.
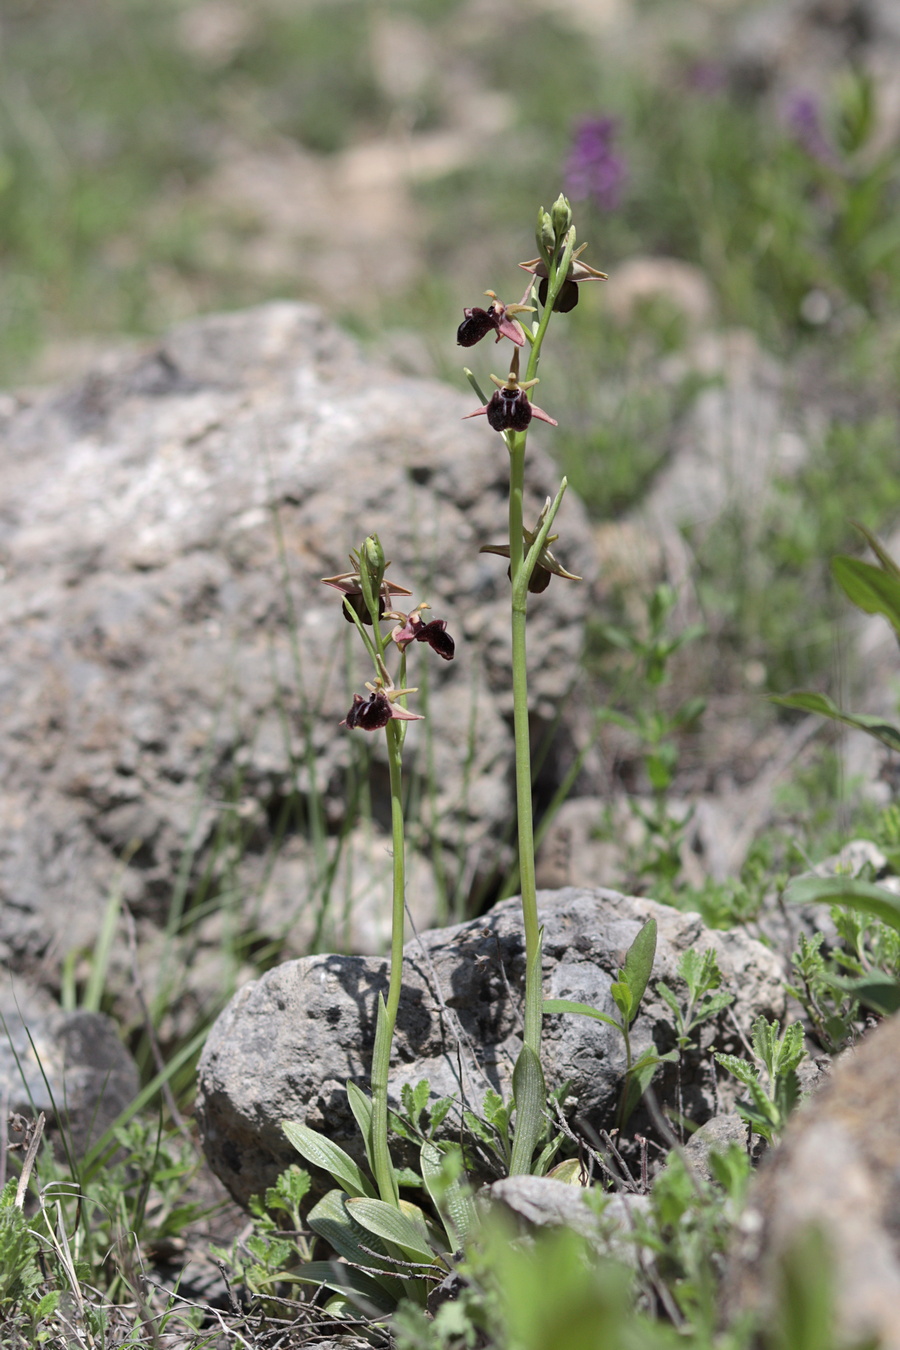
[164, 525]
[72, 1066]
[286, 1044]
[838, 1167]
[542, 1202]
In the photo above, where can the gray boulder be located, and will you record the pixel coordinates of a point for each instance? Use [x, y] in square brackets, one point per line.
[286, 1044]
[173, 673]
[70, 1065]
[837, 1169]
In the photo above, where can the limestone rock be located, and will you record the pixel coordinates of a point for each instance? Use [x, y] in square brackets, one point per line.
[286, 1044]
[173, 673]
[72, 1066]
[838, 1166]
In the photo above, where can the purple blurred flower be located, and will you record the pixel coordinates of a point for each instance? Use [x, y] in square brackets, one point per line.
[707, 77]
[802, 118]
[593, 169]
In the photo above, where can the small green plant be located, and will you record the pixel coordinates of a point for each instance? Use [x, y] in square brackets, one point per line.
[626, 992]
[702, 978]
[655, 730]
[772, 1080]
[388, 1251]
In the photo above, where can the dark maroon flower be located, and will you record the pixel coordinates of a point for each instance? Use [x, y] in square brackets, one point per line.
[476, 325]
[567, 296]
[509, 410]
[350, 586]
[546, 565]
[374, 712]
[498, 318]
[416, 629]
[509, 407]
[369, 714]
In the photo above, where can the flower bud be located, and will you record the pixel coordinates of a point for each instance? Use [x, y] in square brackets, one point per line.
[561, 216]
[371, 557]
[545, 234]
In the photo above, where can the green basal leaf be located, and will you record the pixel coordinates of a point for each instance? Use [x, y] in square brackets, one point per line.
[808, 701]
[315, 1148]
[639, 964]
[566, 1005]
[449, 1196]
[864, 896]
[392, 1225]
[871, 589]
[569, 1170]
[355, 1285]
[361, 1107]
[331, 1220]
[531, 1096]
[546, 1156]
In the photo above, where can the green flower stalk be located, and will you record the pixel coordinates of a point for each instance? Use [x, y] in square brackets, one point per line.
[510, 411]
[366, 595]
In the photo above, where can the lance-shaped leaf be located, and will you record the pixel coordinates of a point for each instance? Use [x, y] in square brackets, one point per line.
[394, 1226]
[881, 553]
[871, 589]
[449, 1195]
[807, 701]
[315, 1148]
[361, 1106]
[331, 1220]
[568, 1005]
[863, 896]
[531, 1099]
[639, 965]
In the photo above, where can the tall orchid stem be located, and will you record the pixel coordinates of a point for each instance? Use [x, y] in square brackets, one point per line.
[520, 573]
[522, 734]
[386, 1018]
[383, 1167]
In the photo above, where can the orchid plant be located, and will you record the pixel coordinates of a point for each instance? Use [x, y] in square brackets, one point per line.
[367, 598]
[556, 273]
